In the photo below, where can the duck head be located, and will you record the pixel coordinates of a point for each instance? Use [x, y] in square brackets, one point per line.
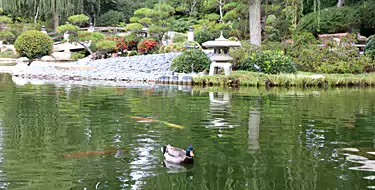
[190, 151]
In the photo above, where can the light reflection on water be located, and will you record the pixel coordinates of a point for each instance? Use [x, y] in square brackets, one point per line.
[246, 138]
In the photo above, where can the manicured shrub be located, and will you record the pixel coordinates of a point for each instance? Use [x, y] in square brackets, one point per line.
[105, 47]
[78, 19]
[179, 38]
[177, 47]
[7, 36]
[269, 62]
[77, 55]
[197, 57]
[33, 44]
[148, 46]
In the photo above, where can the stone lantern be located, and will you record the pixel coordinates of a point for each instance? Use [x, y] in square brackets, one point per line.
[221, 58]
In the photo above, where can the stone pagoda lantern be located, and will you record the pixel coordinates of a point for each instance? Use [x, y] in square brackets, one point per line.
[221, 58]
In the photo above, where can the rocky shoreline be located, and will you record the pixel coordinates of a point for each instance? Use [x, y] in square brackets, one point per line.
[147, 68]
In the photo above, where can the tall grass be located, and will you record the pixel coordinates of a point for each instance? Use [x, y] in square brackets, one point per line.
[242, 78]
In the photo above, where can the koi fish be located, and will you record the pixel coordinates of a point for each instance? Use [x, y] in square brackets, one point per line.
[173, 125]
[144, 119]
[155, 120]
[94, 153]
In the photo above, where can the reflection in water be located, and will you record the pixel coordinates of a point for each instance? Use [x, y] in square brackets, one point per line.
[3, 178]
[299, 136]
[253, 131]
[219, 106]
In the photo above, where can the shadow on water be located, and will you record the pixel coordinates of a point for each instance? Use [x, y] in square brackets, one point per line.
[246, 138]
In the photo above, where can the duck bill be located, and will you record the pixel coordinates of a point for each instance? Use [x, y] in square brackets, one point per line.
[191, 154]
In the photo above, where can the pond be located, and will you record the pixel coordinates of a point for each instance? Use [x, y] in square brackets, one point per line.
[84, 137]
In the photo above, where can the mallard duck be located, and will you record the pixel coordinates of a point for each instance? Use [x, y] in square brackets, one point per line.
[178, 155]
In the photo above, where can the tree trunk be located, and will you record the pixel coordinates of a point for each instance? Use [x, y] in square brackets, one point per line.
[254, 22]
[55, 18]
[340, 3]
[36, 15]
[87, 48]
[221, 4]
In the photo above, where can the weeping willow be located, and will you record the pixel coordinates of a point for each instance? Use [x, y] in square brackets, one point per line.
[43, 7]
[317, 12]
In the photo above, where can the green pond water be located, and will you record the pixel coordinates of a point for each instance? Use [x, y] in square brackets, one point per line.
[81, 137]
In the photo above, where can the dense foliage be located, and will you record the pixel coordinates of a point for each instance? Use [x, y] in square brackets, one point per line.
[269, 62]
[191, 58]
[6, 36]
[370, 46]
[33, 44]
[111, 18]
[334, 57]
[148, 46]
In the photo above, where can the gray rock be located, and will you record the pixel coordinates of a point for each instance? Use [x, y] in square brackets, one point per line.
[48, 59]
[23, 59]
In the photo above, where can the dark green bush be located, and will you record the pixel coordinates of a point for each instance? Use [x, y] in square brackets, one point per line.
[7, 36]
[202, 36]
[111, 18]
[332, 20]
[304, 39]
[370, 46]
[183, 62]
[106, 46]
[33, 44]
[269, 62]
[239, 54]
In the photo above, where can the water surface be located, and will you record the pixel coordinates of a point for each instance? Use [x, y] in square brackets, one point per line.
[52, 137]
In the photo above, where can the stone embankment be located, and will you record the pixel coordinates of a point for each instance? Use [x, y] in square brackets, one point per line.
[148, 68]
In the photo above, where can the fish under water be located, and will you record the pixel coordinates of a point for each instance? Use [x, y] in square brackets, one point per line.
[93, 153]
[155, 120]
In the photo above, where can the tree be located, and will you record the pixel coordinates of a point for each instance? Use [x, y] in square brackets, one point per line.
[254, 22]
[80, 37]
[36, 8]
[78, 19]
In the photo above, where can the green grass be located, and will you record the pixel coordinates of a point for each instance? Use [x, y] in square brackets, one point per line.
[301, 79]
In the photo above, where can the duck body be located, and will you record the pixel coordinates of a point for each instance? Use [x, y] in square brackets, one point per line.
[178, 155]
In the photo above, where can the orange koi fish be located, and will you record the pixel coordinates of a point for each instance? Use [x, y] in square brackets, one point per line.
[155, 120]
[85, 154]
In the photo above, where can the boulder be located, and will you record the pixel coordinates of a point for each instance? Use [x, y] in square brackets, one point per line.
[23, 59]
[317, 76]
[4, 49]
[62, 56]
[15, 52]
[48, 59]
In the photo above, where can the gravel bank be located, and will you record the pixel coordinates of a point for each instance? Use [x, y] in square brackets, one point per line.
[136, 68]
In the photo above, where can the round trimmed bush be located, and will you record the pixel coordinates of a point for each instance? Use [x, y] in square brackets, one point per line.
[33, 44]
[183, 62]
[269, 62]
